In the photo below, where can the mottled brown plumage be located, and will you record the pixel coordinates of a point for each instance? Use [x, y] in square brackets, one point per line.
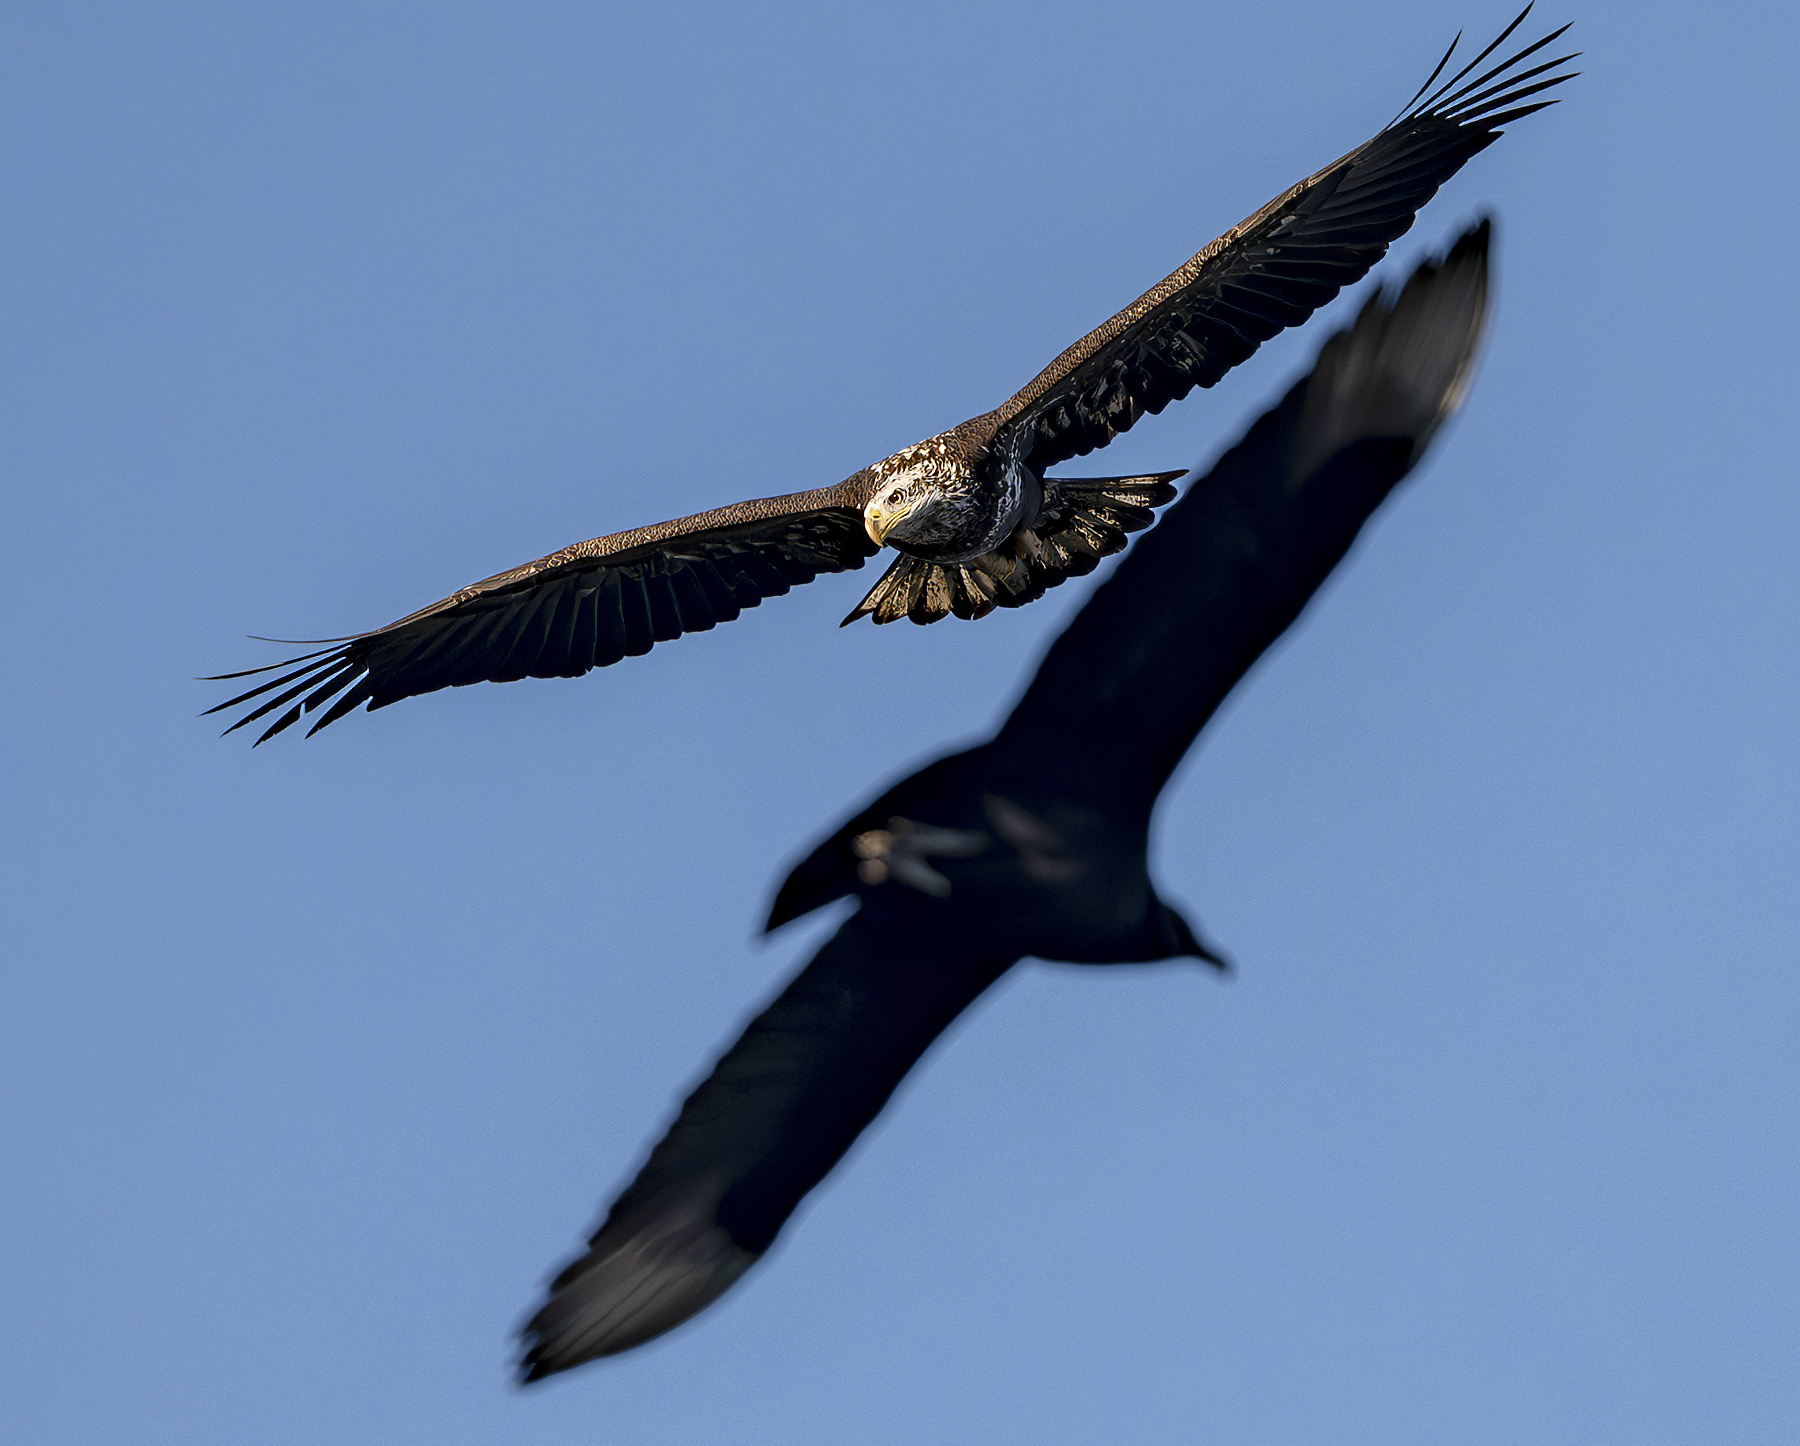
[977, 522]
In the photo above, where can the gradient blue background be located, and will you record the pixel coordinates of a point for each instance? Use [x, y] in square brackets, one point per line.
[315, 1060]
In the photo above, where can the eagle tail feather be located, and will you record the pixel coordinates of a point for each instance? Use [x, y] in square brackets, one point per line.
[1082, 520]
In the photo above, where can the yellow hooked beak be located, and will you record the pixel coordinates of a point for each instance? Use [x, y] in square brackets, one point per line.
[878, 522]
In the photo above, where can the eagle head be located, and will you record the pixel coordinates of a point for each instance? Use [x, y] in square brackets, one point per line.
[903, 509]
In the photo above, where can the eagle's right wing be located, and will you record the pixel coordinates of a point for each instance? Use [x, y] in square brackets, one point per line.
[584, 607]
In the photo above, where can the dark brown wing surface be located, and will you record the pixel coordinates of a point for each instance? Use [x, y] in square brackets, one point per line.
[1276, 268]
[584, 607]
[1083, 519]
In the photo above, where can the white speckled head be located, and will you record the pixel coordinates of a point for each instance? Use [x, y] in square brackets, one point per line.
[903, 509]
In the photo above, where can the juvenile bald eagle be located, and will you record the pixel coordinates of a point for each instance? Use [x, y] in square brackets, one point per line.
[977, 522]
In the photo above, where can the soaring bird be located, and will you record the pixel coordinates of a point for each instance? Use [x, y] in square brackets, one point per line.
[973, 513]
[1032, 843]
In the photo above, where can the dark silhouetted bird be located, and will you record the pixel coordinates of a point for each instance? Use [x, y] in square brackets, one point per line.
[1033, 843]
[973, 513]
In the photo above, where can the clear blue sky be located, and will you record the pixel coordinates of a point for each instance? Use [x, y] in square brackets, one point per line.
[315, 1060]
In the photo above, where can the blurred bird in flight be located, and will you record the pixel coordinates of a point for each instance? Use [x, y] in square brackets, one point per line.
[1033, 843]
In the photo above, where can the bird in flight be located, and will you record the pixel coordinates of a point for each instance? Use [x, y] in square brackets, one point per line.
[1033, 843]
[973, 514]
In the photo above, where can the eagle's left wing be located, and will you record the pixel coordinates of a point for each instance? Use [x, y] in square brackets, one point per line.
[1274, 269]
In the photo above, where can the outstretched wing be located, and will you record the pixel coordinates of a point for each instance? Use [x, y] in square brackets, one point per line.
[1121, 695]
[778, 1111]
[1276, 268]
[584, 607]
[1082, 520]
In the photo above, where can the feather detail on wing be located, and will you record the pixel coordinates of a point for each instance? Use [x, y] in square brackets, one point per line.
[641, 1276]
[1082, 520]
[584, 607]
[1277, 267]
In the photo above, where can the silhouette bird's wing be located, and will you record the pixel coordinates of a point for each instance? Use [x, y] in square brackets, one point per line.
[584, 607]
[1123, 692]
[1031, 844]
[774, 1116]
[1277, 267]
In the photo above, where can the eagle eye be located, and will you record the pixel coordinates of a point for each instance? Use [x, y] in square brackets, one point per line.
[895, 498]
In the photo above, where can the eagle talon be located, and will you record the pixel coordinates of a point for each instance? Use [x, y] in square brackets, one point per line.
[899, 852]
